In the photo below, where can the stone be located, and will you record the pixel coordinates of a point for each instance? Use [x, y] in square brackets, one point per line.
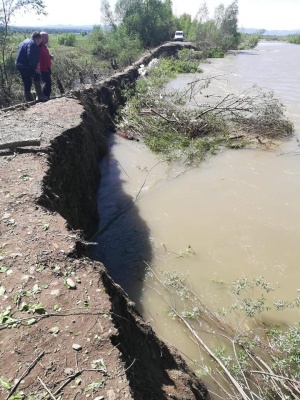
[76, 347]
[6, 215]
[55, 292]
[68, 371]
[111, 395]
[70, 283]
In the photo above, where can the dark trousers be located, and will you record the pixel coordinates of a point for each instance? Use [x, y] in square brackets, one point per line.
[27, 76]
[46, 79]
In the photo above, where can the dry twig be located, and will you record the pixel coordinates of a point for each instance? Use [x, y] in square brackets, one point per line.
[26, 372]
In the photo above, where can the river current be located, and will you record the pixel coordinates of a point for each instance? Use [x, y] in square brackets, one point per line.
[236, 215]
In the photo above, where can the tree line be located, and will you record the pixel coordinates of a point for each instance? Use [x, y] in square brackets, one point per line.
[152, 22]
[124, 34]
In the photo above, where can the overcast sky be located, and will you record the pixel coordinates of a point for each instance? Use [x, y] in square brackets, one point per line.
[266, 14]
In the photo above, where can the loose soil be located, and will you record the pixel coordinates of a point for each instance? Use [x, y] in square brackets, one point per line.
[66, 330]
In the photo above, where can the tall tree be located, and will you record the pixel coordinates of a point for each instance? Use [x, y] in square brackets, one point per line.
[219, 15]
[185, 23]
[151, 20]
[202, 14]
[220, 33]
[108, 17]
[229, 26]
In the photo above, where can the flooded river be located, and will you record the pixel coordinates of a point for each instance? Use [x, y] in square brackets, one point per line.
[236, 215]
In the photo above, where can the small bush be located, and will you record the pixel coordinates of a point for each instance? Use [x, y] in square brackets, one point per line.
[66, 39]
[295, 39]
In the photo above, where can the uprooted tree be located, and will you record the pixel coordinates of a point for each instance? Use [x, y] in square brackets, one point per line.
[188, 125]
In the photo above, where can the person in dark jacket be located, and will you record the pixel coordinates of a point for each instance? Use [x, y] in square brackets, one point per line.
[27, 65]
[45, 65]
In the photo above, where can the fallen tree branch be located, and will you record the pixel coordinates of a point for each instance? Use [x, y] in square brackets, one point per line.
[279, 377]
[31, 366]
[47, 389]
[20, 143]
[207, 349]
[43, 316]
[77, 373]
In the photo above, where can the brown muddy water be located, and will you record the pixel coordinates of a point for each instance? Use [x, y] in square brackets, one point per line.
[236, 215]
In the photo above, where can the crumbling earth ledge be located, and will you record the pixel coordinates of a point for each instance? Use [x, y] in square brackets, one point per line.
[66, 329]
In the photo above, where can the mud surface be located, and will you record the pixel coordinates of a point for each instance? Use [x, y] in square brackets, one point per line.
[66, 330]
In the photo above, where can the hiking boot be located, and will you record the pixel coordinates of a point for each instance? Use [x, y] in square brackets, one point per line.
[29, 96]
[39, 92]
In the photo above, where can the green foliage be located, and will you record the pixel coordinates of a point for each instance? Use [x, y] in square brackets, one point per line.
[214, 53]
[151, 21]
[263, 361]
[237, 364]
[230, 37]
[176, 283]
[6, 318]
[287, 342]
[95, 386]
[98, 39]
[189, 55]
[295, 39]
[33, 308]
[249, 41]
[67, 39]
[174, 66]
[187, 25]
[172, 137]
[281, 345]
[220, 33]
[72, 64]
[178, 132]
[5, 383]
[115, 44]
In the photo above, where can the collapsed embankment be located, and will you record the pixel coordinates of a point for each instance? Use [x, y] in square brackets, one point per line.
[81, 148]
[53, 293]
[70, 188]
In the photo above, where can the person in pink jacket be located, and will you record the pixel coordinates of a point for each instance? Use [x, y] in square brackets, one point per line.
[45, 65]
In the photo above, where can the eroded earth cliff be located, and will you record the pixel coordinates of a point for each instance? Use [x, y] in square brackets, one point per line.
[66, 329]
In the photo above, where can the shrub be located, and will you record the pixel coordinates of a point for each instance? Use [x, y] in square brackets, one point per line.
[67, 39]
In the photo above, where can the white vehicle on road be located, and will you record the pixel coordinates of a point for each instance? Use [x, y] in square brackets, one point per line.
[179, 37]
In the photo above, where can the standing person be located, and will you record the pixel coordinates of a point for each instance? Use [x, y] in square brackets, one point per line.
[45, 64]
[27, 65]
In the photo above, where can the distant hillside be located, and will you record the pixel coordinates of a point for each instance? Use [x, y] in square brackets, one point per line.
[271, 32]
[282, 33]
[88, 28]
[53, 28]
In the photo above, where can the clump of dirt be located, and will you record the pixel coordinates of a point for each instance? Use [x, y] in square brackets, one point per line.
[66, 330]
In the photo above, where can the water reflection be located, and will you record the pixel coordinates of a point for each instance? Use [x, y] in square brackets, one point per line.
[123, 237]
[125, 243]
